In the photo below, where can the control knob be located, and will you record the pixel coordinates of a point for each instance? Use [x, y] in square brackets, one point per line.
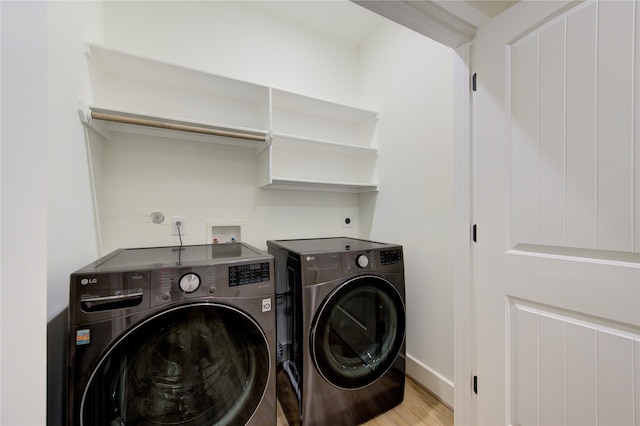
[189, 282]
[362, 260]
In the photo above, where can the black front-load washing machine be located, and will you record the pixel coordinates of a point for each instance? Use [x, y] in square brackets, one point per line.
[340, 306]
[173, 336]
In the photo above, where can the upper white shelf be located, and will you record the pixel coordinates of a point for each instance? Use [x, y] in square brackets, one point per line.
[312, 118]
[319, 145]
[302, 142]
[121, 81]
[321, 185]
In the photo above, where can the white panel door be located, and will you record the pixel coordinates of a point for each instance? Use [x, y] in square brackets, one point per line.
[557, 207]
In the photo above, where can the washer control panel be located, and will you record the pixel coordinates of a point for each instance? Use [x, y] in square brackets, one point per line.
[248, 274]
[230, 280]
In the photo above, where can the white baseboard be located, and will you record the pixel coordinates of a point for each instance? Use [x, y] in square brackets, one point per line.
[439, 386]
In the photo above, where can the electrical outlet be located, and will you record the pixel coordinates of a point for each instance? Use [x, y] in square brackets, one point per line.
[347, 221]
[174, 225]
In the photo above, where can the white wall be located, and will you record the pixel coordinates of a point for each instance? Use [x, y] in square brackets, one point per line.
[69, 204]
[23, 200]
[47, 222]
[203, 182]
[45, 230]
[71, 232]
[410, 79]
[238, 39]
[212, 182]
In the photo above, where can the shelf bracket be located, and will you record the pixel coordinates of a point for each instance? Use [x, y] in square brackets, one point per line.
[84, 112]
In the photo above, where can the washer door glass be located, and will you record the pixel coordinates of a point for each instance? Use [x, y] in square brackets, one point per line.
[358, 332]
[199, 364]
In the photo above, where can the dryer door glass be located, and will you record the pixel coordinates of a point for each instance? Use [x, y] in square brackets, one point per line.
[199, 364]
[358, 332]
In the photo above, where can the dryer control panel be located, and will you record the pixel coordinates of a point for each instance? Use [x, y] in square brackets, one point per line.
[373, 260]
[390, 257]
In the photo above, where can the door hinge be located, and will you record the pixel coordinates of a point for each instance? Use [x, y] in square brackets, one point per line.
[474, 87]
[474, 233]
[475, 384]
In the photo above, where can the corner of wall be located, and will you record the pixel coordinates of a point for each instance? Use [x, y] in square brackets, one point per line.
[437, 385]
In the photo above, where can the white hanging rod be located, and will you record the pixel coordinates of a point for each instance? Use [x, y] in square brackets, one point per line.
[173, 126]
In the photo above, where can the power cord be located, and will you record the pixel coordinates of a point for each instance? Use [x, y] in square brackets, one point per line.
[178, 223]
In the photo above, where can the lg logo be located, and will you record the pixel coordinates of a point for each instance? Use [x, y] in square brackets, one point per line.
[86, 281]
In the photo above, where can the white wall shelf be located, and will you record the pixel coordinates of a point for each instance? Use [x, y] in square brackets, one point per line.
[301, 142]
[319, 185]
[304, 163]
[319, 145]
[301, 115]
[150, 88]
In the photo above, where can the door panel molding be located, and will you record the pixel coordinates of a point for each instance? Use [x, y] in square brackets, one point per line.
[579, 360]
[571, 105]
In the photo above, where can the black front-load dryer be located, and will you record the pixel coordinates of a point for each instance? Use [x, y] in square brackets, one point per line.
[341, 329]
[173, 336]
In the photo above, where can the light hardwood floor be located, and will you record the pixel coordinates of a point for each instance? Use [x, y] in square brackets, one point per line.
[419, 408]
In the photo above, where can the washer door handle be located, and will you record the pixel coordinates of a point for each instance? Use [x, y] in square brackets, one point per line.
[105, 303]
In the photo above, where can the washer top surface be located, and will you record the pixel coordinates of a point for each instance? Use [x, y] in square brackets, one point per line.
[206, 254]
[328, 245]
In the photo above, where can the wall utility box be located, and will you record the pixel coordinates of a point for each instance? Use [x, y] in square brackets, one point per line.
[226, 231]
